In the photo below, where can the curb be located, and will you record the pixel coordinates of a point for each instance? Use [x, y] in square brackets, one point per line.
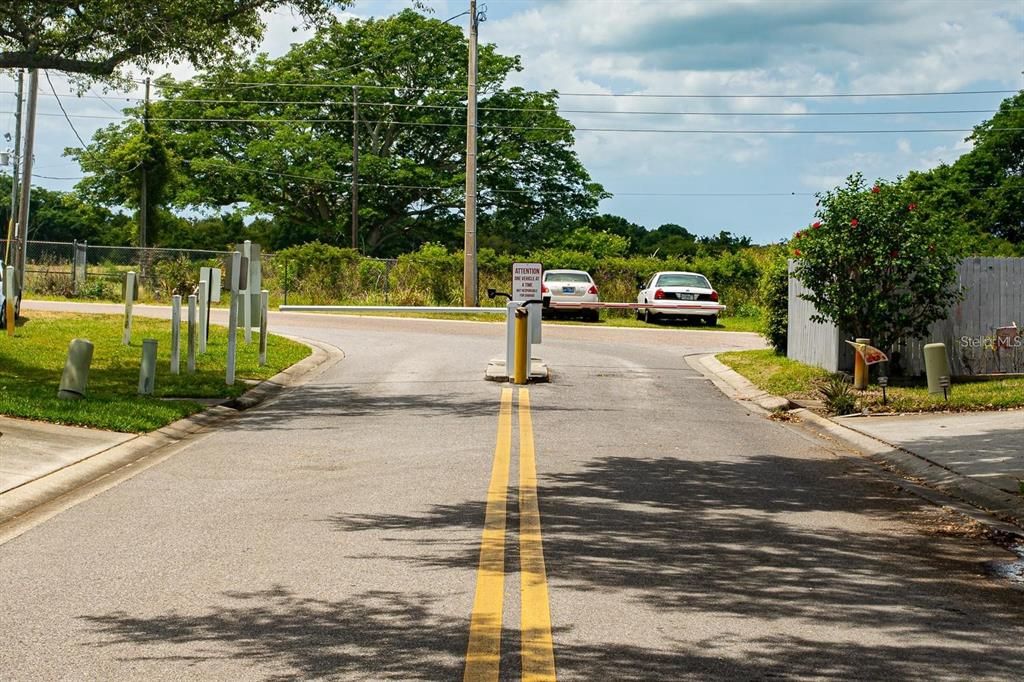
[736, 386]
[52, 493]
[929, 480]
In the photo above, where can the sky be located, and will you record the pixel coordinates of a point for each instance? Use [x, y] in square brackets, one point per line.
[626, 68]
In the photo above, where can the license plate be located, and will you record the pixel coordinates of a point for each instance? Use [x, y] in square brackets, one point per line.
[568, 290]
[687, 297]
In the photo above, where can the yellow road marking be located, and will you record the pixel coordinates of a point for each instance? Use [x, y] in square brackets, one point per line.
[483, 657]
[537, 645]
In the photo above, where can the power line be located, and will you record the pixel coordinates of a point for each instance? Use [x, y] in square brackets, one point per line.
[63, 110]
[854, 95]
[567, 128]
[617, 112]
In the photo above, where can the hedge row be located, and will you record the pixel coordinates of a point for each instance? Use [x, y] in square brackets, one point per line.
[318, 274]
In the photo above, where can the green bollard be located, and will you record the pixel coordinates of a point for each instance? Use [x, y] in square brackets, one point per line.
[147, 370]
[76, 370]
[936, 366]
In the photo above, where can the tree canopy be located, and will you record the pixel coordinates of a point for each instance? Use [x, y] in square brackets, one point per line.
[98, 38]
[273, 137]
[981, 194]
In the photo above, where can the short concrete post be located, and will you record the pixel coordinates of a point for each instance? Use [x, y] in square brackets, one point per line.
[10, 298]
[76, 370]
[147, 370]
[246, 295]
[264, 308]
[236, 265]
[204, 302]
[175, 334]
[936, 366]
[192, 334]
[129, 299]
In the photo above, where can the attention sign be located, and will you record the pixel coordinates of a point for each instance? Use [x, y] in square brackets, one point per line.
[526, 281]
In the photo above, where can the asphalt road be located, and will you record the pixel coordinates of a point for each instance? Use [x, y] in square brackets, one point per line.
[339, 532]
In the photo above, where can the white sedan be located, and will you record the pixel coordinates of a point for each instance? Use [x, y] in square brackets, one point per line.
[684, 295]
[574, 287]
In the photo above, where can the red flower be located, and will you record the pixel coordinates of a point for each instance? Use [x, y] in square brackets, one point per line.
[876, 189]
[797, 252]
[911, 207]
[799, 234]
[854, 223]
[816, 225]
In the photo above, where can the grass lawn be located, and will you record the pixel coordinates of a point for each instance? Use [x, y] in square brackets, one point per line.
[785, 377]
[31, 364]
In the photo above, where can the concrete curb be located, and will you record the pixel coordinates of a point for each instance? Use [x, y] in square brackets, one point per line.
[938, 484]
[49, 494]
[736, 386]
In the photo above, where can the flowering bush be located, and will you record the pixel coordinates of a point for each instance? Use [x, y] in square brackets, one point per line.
[874, 268]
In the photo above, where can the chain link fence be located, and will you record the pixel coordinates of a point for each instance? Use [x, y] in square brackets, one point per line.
[80, 270]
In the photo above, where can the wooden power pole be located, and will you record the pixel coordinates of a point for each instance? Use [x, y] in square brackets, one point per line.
[469, 273]
[355, 167]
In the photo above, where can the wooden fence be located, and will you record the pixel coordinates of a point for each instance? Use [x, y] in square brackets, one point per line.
[993, 297]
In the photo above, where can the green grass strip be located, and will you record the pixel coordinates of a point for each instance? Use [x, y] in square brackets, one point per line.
[781, 376]
[31, 364]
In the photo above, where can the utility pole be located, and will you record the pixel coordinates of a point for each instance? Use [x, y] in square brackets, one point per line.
[355, 167]
[469, 273]
[143, 198]
[16, 166]
[26, 183]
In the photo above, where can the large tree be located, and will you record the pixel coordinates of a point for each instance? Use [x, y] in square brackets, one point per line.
[283, 148]
[981, 194]
[99, 38]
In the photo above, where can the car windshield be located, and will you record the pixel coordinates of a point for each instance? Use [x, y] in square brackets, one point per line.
[681, 280]
[566, 277]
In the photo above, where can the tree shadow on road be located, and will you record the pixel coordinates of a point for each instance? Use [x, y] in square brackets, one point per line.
[764, 538]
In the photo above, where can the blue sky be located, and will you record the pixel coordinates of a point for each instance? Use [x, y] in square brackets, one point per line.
[769, 51]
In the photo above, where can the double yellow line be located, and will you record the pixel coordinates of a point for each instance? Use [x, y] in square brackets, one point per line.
[483, 658]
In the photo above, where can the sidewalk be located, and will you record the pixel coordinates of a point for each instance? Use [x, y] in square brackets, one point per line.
[976, 457]
[41, 462]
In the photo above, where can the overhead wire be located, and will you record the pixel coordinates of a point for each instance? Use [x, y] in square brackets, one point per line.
[63, 110]
[567, 128]
[631, 112]
[852, 95]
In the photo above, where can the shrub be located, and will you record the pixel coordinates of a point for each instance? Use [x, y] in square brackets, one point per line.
[874, 268]
[773, 297]
[176, 277]
[432, 272]
[837, 393]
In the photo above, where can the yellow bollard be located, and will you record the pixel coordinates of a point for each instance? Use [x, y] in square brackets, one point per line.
[522, 364]
[860, 368]
[10, 317]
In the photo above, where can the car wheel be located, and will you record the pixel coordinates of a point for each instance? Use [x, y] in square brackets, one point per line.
[3, 317]
[649, 317]
[711, 320]
[17, 309]
[591, 316]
